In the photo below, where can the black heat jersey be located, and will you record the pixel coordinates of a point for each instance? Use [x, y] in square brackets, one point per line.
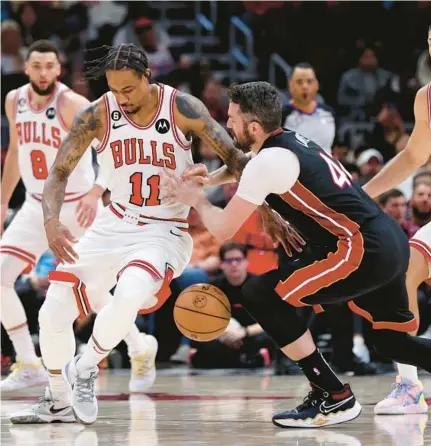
[324, 204]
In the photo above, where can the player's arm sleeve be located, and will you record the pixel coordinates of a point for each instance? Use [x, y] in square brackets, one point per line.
[273, 171]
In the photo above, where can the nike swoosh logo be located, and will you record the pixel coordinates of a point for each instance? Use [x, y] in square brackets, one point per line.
[173, 233]
[326, 409]
[115, 127]
[55, 411]
[22, 111]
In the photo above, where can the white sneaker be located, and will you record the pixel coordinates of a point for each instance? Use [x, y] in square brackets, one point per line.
[23, 376]
[143, 372]
[181, 356]
[83, 400]
[44, 412]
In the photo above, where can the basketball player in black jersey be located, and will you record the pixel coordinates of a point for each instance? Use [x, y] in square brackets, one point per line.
[353, 249]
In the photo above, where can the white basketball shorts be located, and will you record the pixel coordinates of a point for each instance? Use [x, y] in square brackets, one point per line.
[120, 239]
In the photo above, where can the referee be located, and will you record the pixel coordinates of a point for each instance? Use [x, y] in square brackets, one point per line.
[303, 114]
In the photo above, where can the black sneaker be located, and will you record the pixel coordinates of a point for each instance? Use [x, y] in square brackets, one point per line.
[321, 409]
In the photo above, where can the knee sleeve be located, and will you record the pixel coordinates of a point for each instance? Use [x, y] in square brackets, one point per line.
[137, 288]
[12, 310]
[278, 318]
[56, 318]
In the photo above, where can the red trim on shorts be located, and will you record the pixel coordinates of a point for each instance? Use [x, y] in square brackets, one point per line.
[422, 247]
[174, 125]
[66, 200]
[79, 290]
[338, 265]
[164, 291]
[21, 254]
[101, 147]
[318, 309]
[408, 326]
[124, 209]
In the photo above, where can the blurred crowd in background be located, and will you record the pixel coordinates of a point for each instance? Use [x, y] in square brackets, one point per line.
[355, 68]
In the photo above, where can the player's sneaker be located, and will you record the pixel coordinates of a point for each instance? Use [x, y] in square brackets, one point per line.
[83, 400]
[44, 411]
[144, 367]
[23, 375]
[406, 397]
[321, 409]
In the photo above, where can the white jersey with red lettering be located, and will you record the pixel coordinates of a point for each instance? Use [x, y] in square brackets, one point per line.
[133, 157]
[422, 239]
[40, 133]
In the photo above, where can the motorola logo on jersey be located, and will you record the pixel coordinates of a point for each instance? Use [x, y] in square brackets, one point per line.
[21, 102]
[50, 113]
[163, 126]
[115, 115]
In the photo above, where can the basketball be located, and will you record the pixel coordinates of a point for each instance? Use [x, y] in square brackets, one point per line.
[202, 312]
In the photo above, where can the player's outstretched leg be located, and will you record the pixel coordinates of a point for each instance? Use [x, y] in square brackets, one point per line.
[407, 392]
[142, 351]
[136, 289]
[329, 401]
[28, 370]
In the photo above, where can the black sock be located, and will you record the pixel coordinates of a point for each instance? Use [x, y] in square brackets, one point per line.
[318, 372]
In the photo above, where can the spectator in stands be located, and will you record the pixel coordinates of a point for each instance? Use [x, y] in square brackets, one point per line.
[358, 86]
[262, 255]
[369, 162]
[420, 204]
[214, 96]
[388, 132]
[303, 114]
[422, 177]
[12, 52]
[27, 19]
[394, 203]
[244, 342]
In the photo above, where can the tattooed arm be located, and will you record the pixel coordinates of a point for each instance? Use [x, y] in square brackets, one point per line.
[87, 125]
[194, 118]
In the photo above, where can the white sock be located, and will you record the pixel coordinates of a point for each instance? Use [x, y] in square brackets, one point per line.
[136, 344]
[23, 344]
[60, 390]
[92, 355]
[409, 372]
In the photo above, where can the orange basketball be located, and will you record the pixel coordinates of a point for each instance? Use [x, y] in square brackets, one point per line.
[202, 312]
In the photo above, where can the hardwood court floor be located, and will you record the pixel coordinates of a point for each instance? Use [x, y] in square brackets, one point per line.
[214, 410]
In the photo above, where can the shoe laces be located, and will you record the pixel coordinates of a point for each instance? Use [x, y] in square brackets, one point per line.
[85, 388]
[141, 365]
[313, 398]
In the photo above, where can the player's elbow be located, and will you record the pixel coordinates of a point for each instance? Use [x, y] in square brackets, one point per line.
[224, 233]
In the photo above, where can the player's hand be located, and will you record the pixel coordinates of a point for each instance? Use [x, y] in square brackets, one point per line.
[60, 241]
[197, 173]
[280, 230]
[174, 189]
[4, 209]
[233, 337]
[87, 209]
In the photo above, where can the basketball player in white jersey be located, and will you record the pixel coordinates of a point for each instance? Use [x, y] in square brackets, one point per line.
[138, 242]
[407, 395]
[40, 115]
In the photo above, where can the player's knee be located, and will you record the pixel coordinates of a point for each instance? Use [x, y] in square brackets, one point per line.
[388, 342]
[10, 268]
[59, 308]
[138, 288]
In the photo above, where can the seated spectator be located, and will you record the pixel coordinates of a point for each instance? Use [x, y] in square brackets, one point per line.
[419, 211]
[214, 96]
[262, 255]
[394, 204]
[145, 33]
[358, 86]
[370, 163]
[12, 52]
[244, 343]
[388, 133]
[304, 114]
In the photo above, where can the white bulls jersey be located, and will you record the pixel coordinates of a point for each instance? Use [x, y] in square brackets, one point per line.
[133, 156]
[40, 133]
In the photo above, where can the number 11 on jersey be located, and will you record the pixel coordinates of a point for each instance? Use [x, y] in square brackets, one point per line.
[137, 198]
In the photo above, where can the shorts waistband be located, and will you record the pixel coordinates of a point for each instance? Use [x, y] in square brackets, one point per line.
[68, 196]
[137, 219]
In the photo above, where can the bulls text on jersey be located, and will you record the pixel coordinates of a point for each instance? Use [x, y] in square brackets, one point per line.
[38, 133]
